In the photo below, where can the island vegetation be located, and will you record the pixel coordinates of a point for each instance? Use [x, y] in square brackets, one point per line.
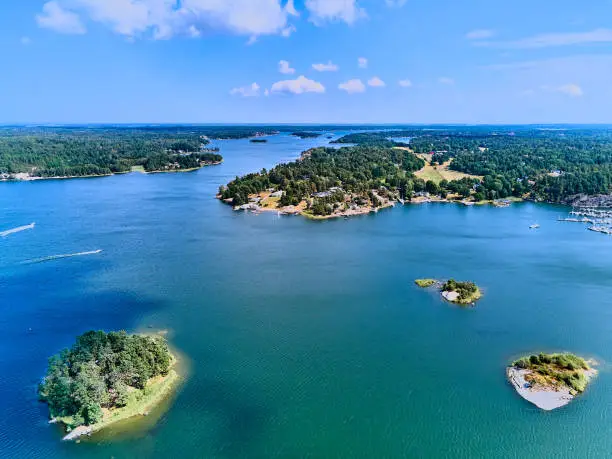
[329, 182]
[425, 283]
[306, 134]
[107, 377]
[463, 293]
[550, 380]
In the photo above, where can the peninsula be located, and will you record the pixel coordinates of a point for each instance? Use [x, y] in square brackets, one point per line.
[463, 293]
[105, 378]
[328, 183]
[550, 381]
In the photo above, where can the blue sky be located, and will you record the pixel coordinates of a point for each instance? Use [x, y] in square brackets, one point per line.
[306, 61]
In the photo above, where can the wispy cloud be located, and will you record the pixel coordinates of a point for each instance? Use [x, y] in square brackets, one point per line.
[362, 62]
[480, 34]
[352, 86]
[570, 89]
[285, 68]
[56, 18]
[246, 91]
[25, 41]
[376, 82]
[446, 81]
[322, 11]
[300, 85]
[405, 83]
[553, 39]
[329, 67]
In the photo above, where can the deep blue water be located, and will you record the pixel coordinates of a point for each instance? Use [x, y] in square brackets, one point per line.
[304, 339]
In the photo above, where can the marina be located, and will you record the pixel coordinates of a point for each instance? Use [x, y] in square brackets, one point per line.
[600, 220]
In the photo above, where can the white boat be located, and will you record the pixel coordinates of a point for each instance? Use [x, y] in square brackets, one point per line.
[536, 226]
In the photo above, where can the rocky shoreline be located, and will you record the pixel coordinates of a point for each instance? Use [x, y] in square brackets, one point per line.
[583, 200]
[548, 385]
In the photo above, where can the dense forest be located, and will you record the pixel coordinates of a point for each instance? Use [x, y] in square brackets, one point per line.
[99, 371]
[82, 151]
[542, 164]
[306, 134]
[355, 171]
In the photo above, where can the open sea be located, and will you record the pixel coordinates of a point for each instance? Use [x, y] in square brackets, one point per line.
[303, 339]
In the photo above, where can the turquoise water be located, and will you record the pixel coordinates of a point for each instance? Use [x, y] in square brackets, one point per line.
[304, 339]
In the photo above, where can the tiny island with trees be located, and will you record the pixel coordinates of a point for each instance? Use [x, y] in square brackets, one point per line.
[105, 378]
[461, 293]
[306, 134]
[550, 381]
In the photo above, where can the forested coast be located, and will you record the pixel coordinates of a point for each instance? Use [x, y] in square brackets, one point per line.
[468, 165]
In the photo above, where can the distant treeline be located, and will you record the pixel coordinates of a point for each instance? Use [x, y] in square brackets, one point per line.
[82, 151]
[546, 164]
[306, 134]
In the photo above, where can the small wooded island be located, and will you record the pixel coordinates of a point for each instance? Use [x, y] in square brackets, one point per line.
[105, 378]
[550, 381]
[463, 293]
[306, 134]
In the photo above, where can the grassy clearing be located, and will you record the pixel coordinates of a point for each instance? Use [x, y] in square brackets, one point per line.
[556, 370]
[440, 172]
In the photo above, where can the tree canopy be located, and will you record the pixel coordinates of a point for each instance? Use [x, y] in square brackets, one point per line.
[99, 371]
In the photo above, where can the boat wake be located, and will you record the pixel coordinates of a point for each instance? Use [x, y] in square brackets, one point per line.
[59, 257]
[17, 230]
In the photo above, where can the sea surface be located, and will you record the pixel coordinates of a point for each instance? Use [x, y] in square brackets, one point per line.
[303, 338]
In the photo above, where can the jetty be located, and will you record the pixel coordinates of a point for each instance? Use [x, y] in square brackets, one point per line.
[599, 219]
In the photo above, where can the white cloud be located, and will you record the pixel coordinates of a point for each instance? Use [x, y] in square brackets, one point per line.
[300, 85]
[329, 67]
[376, 82]
[362, 62]
[446, 80]
[570, 89]
[290, 8]
[554, 39]
[194, 32]
[480, 34]
[267, 92]
[163, 19]
[334, 10]
[287, 31]
[352, 86]
[395, 3]
[285, 68]
[56, 18]
[405, 83]
[25, 41]
[246, 91]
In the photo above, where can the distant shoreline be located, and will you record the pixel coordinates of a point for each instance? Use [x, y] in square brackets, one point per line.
[69, 177]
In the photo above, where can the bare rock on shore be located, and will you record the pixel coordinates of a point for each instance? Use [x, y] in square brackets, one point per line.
[583, 200]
